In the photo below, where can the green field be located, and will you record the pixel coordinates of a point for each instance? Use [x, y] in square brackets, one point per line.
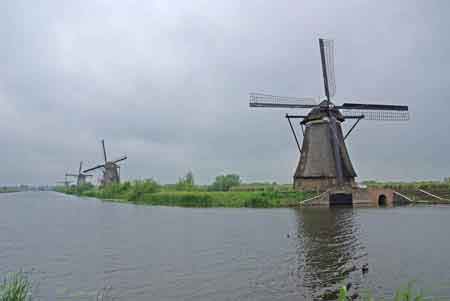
[229, 191]
[151, 193]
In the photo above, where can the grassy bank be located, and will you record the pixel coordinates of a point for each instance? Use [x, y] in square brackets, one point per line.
[18, 287]
[8, 190]
[407, 293]
[415, 190]
[15, 287]
[150, 193]
[224, 199]
[226, 194]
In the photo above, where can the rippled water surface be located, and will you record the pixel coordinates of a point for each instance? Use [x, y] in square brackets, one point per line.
[75, 247]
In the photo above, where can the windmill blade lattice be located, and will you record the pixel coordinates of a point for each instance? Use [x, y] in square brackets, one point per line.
[104, 151]
[94, 168]
[120, 159]
[266, 100]
[376, 112]
[327, 57]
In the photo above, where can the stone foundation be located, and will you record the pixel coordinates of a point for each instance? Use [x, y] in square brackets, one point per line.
[319, 184]
[371, 197]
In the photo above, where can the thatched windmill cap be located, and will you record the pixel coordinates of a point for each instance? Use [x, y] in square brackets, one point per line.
[321, 111]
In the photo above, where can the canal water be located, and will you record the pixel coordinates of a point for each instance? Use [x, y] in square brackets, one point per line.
[74, 248]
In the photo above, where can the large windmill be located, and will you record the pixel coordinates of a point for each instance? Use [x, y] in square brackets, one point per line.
[324, 160]
[81, 177]
[111, 170]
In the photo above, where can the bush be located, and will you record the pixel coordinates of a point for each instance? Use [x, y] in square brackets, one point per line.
[179, 198]
[139, 188]
[258, 202]
[185, 183]
[225, 182]
[15, 287]
[114, 190]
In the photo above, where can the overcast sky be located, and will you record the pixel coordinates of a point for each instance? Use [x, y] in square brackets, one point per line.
[167, 83]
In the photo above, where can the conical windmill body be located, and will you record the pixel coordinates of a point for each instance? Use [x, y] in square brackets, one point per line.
[81, 177]
[111, 170]
[324, 160]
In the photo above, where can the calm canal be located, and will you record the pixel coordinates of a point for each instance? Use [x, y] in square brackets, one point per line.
[75, 247]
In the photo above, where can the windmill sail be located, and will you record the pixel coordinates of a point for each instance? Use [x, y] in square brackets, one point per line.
[272, 101]
[327, 58]
[335, 143]
[94, 168]
[376, 111]
[104, 150]
[120, 159]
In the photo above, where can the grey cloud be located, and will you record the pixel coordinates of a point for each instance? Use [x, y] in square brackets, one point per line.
[167, 83]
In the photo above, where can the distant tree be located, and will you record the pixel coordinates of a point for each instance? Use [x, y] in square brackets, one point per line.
[136, 190]
[225, 182]
[186, 183]
[189, 178]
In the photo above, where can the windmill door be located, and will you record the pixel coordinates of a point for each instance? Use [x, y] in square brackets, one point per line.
[341, 199]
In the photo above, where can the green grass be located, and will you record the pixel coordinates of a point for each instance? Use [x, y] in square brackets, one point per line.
[407, 293]
[8, 189]
[224, 199]
[150, 193]
[426, 185]
[18, 287]
[15, 287]
[257, 195]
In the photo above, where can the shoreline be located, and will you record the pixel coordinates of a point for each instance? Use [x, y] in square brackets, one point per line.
[197, 199]
[256, 195]
[188, 199]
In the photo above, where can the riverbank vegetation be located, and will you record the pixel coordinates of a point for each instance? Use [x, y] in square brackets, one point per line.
[18, 287]
[229, 191]
[407, 293]
[420, 191]
[15, 287]
[225, 191]
[6, 189]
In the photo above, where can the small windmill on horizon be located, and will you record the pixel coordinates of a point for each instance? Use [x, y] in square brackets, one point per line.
[65, 182]
[111, 170]
[324, 160]
[81, 177]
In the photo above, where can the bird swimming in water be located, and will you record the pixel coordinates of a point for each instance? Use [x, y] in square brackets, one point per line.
[365, 268]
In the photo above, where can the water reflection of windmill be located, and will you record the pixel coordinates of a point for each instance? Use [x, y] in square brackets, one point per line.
[111, 170]
[324, 160]
[330, 248]
[81, 177]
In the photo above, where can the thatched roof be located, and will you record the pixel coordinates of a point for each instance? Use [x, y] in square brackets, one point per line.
[317, 159]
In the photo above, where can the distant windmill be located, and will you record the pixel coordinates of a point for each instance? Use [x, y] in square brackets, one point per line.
[111, 170]
[65, 182]
[324, 160]
[81, 177]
